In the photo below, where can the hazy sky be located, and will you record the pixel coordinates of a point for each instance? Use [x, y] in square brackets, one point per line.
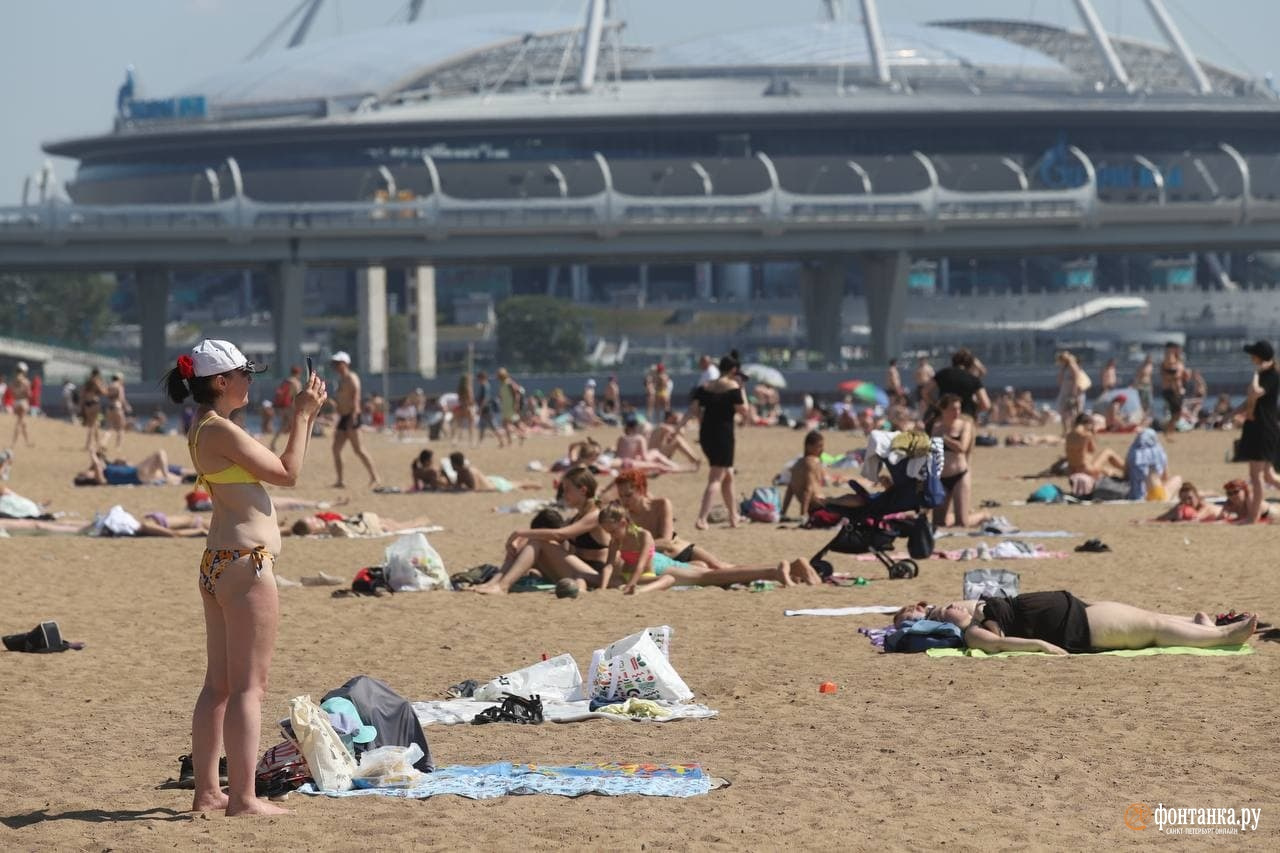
[62, 60]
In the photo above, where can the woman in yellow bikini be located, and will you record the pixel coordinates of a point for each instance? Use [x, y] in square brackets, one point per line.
[241, 611]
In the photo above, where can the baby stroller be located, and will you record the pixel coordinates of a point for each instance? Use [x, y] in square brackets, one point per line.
[914, 464]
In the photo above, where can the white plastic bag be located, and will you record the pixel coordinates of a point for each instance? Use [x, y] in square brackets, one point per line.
[556, 680]
[389, 767]
[636, 667]
[331, 765]
[413, 565]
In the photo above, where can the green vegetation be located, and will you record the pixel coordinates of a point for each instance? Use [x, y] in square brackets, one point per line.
[61, 308]
[540, 334]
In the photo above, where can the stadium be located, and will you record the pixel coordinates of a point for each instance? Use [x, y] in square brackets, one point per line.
[536, 107]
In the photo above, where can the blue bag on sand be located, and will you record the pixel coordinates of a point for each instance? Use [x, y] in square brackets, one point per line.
[921, 635]
[1046, 494]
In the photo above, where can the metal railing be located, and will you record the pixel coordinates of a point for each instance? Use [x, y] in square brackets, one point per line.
[611, 212]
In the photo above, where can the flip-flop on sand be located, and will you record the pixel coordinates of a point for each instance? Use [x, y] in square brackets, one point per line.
[1093, 546]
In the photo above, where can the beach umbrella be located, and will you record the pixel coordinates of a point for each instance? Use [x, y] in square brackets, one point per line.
[765, 375]
[866, 392]
[1130, 409]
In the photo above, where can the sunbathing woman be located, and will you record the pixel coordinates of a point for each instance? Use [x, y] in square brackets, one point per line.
[153, 524]
[667, 438]
[633, 451]
[1238, 507]
[656, 515]
[577, 550]
[1190, 507]
[1060, 624]
[471, 479]
[642, 569]
[362, 525]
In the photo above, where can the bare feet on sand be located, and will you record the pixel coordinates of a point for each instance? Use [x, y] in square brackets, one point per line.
[784, 574]
[215, 802]
[255, 807]
[1238, 632]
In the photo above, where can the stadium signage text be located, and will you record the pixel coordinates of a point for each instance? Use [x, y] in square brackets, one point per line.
[1059, 169]
[191, 106]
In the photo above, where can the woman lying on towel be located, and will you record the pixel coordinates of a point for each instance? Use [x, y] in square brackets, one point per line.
[1060, 624]
[1190, 507]
[362, 525]
[641, 568]
[1237, 506]
[575, 551]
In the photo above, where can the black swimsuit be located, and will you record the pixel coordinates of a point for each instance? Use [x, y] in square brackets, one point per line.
[587, 542]
[1055, 617]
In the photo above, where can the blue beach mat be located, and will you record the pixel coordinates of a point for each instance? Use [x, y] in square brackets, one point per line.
[487, 781]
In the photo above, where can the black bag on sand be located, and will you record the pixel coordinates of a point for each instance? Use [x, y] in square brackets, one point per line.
[388, 712]
[42, 639]
[920, 538]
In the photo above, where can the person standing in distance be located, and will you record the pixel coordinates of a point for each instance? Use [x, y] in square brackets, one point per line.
[237, 588]
[347, 399]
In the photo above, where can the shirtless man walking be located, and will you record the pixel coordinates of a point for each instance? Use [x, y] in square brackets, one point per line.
[347, 399]
[1083, 455]
[21, 404]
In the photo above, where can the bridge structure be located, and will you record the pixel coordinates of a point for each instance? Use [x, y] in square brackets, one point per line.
[743, 213]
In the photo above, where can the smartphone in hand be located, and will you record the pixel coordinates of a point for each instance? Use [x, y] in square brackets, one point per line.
[311, 369]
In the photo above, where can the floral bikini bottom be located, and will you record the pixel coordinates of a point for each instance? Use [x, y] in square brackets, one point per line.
[216, 560]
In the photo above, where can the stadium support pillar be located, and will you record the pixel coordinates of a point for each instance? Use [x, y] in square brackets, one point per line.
[422, 296]
[288, 285]
[703, 281]
[822, 295]
[371, 319]
[579, 283]
[153, 315]
[735, 282]
[884, 281]
[644, 285]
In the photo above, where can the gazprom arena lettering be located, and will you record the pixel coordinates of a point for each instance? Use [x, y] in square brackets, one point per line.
[1059, 169]
[191, 106]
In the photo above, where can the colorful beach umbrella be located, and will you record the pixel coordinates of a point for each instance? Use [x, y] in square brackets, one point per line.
[866, 392]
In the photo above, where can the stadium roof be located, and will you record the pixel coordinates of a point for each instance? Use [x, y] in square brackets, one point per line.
[487, 54]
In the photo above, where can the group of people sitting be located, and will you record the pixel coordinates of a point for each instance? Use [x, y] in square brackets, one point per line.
[629, 544]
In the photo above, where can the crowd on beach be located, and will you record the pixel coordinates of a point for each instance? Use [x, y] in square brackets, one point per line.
[608, 527]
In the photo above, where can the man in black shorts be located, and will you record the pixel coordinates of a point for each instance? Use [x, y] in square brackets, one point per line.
[347, 399]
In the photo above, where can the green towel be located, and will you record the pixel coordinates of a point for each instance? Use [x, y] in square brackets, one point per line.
[1124, 653]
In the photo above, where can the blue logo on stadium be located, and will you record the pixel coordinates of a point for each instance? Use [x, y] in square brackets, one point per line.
[1060, 170]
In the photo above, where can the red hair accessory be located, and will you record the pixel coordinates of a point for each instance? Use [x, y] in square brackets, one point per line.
[186, 367]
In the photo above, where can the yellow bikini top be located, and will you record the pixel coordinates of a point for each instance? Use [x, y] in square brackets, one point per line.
[231, 474]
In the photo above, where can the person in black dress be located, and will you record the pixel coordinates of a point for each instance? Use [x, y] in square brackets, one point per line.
[1259, 443]
[716, 404]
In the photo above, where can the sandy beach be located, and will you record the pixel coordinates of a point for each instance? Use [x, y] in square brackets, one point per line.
[911, 753]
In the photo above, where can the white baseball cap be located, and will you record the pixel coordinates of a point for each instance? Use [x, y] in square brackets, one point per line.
[210, 358]
[341, 356]
[591, 383]
[22, 366]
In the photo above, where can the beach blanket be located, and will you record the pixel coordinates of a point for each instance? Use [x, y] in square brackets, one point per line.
[1009, 549]
[1123, 653]
[1024, 534]
[876, 635]
[487, 781]
[452, 712]
[842, 611]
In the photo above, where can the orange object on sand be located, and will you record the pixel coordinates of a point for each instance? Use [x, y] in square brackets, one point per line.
[827, 687]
